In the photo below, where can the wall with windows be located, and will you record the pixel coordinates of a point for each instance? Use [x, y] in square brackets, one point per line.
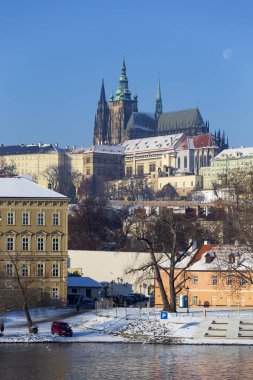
[33, 241]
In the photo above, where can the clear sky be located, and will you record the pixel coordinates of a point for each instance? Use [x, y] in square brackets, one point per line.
[54, 54]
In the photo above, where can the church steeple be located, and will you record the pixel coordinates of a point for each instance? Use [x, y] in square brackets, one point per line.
[102, 93]
[158, 103]
[101, 119]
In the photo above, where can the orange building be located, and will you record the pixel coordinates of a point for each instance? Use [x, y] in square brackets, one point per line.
[219, 276]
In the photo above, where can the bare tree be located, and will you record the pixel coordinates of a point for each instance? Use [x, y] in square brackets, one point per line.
[16, 286]
[6, 170]
[63, 180]
[166, 239]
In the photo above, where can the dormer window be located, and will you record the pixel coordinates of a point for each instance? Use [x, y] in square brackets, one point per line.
[231, 258]
[209, 257]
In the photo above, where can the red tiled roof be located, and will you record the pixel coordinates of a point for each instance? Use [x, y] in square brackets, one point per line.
[199, 141]
[205, 248]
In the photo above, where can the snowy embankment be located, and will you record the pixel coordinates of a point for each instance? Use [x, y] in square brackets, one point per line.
[115, 325]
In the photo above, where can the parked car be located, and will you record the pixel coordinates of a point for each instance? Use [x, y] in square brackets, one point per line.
[61, 328]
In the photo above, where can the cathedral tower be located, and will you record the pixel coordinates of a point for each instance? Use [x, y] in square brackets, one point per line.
[121, 107]
[158, 103]
[101, 119]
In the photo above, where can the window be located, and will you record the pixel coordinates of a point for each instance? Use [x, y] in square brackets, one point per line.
[195, 280]
[129, 171]
[88, 171]
[151, 168]
[55, 244]
[55, 270]
[214, 280]
[55, 293]
[243, 280]
[40, 244]
[231, 258]
[56, 219]
[229, 280]
[24, 270]
[185, 162]
[25, 244]
[195, 300]
[25, 219]
[10, 243]
[88, 160]
[9, 270]
[178, 162]
[10, 218]
[40, 269]
[40, 219]
[140, 170]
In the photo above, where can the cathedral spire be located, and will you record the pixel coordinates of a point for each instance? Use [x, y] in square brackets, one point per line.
[102, 93]
[159, 103]
[123, 92]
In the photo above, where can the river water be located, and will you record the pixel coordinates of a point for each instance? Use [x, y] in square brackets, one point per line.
[124, 361]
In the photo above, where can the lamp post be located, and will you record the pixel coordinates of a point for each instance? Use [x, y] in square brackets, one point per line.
[187, 292]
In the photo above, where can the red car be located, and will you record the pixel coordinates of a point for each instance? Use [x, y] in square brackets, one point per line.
[61, 328]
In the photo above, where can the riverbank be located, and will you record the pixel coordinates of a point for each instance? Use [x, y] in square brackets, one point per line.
[116, 325]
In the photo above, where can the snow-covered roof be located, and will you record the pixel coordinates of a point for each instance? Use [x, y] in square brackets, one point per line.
[235, 153]
[109, 149]
[20, 187]
[152, 143]
[86, 282]
[220, 259]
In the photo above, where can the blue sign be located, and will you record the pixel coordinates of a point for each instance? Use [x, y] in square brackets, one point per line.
[164, 315]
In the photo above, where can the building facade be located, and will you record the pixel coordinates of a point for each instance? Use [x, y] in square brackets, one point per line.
[227, 161]
[216, 278]
[33, 240]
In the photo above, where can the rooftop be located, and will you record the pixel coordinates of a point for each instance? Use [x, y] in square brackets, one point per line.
[152, 143]
[84, 282]
[20, 187]
[29, 149]
[235, 153]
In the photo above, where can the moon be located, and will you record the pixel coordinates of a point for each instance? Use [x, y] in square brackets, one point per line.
[227, 54]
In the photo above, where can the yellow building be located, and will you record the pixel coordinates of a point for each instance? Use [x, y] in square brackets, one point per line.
[152, 154]
[228, 160]
[211, 281]
[33, 239]
[32, 160]
[183, 184]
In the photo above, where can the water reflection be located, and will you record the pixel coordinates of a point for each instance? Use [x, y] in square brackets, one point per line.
[124, 361]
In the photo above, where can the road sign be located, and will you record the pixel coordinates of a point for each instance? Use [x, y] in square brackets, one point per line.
[164, 315]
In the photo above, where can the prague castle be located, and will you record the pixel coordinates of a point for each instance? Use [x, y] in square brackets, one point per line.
[119, 119]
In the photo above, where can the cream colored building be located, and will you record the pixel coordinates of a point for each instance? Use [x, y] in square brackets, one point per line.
[33, 239]
[32, 160]
[228, 160]
[184, 184]
[152, 154]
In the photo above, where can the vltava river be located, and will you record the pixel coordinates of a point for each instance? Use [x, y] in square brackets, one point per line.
[124, 361]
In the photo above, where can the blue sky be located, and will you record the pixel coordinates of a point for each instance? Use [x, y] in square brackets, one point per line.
[54, 54]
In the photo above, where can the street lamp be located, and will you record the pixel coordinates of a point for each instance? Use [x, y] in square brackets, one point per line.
[187, 292]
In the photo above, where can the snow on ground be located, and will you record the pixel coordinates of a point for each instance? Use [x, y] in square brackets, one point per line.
[115, 325]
